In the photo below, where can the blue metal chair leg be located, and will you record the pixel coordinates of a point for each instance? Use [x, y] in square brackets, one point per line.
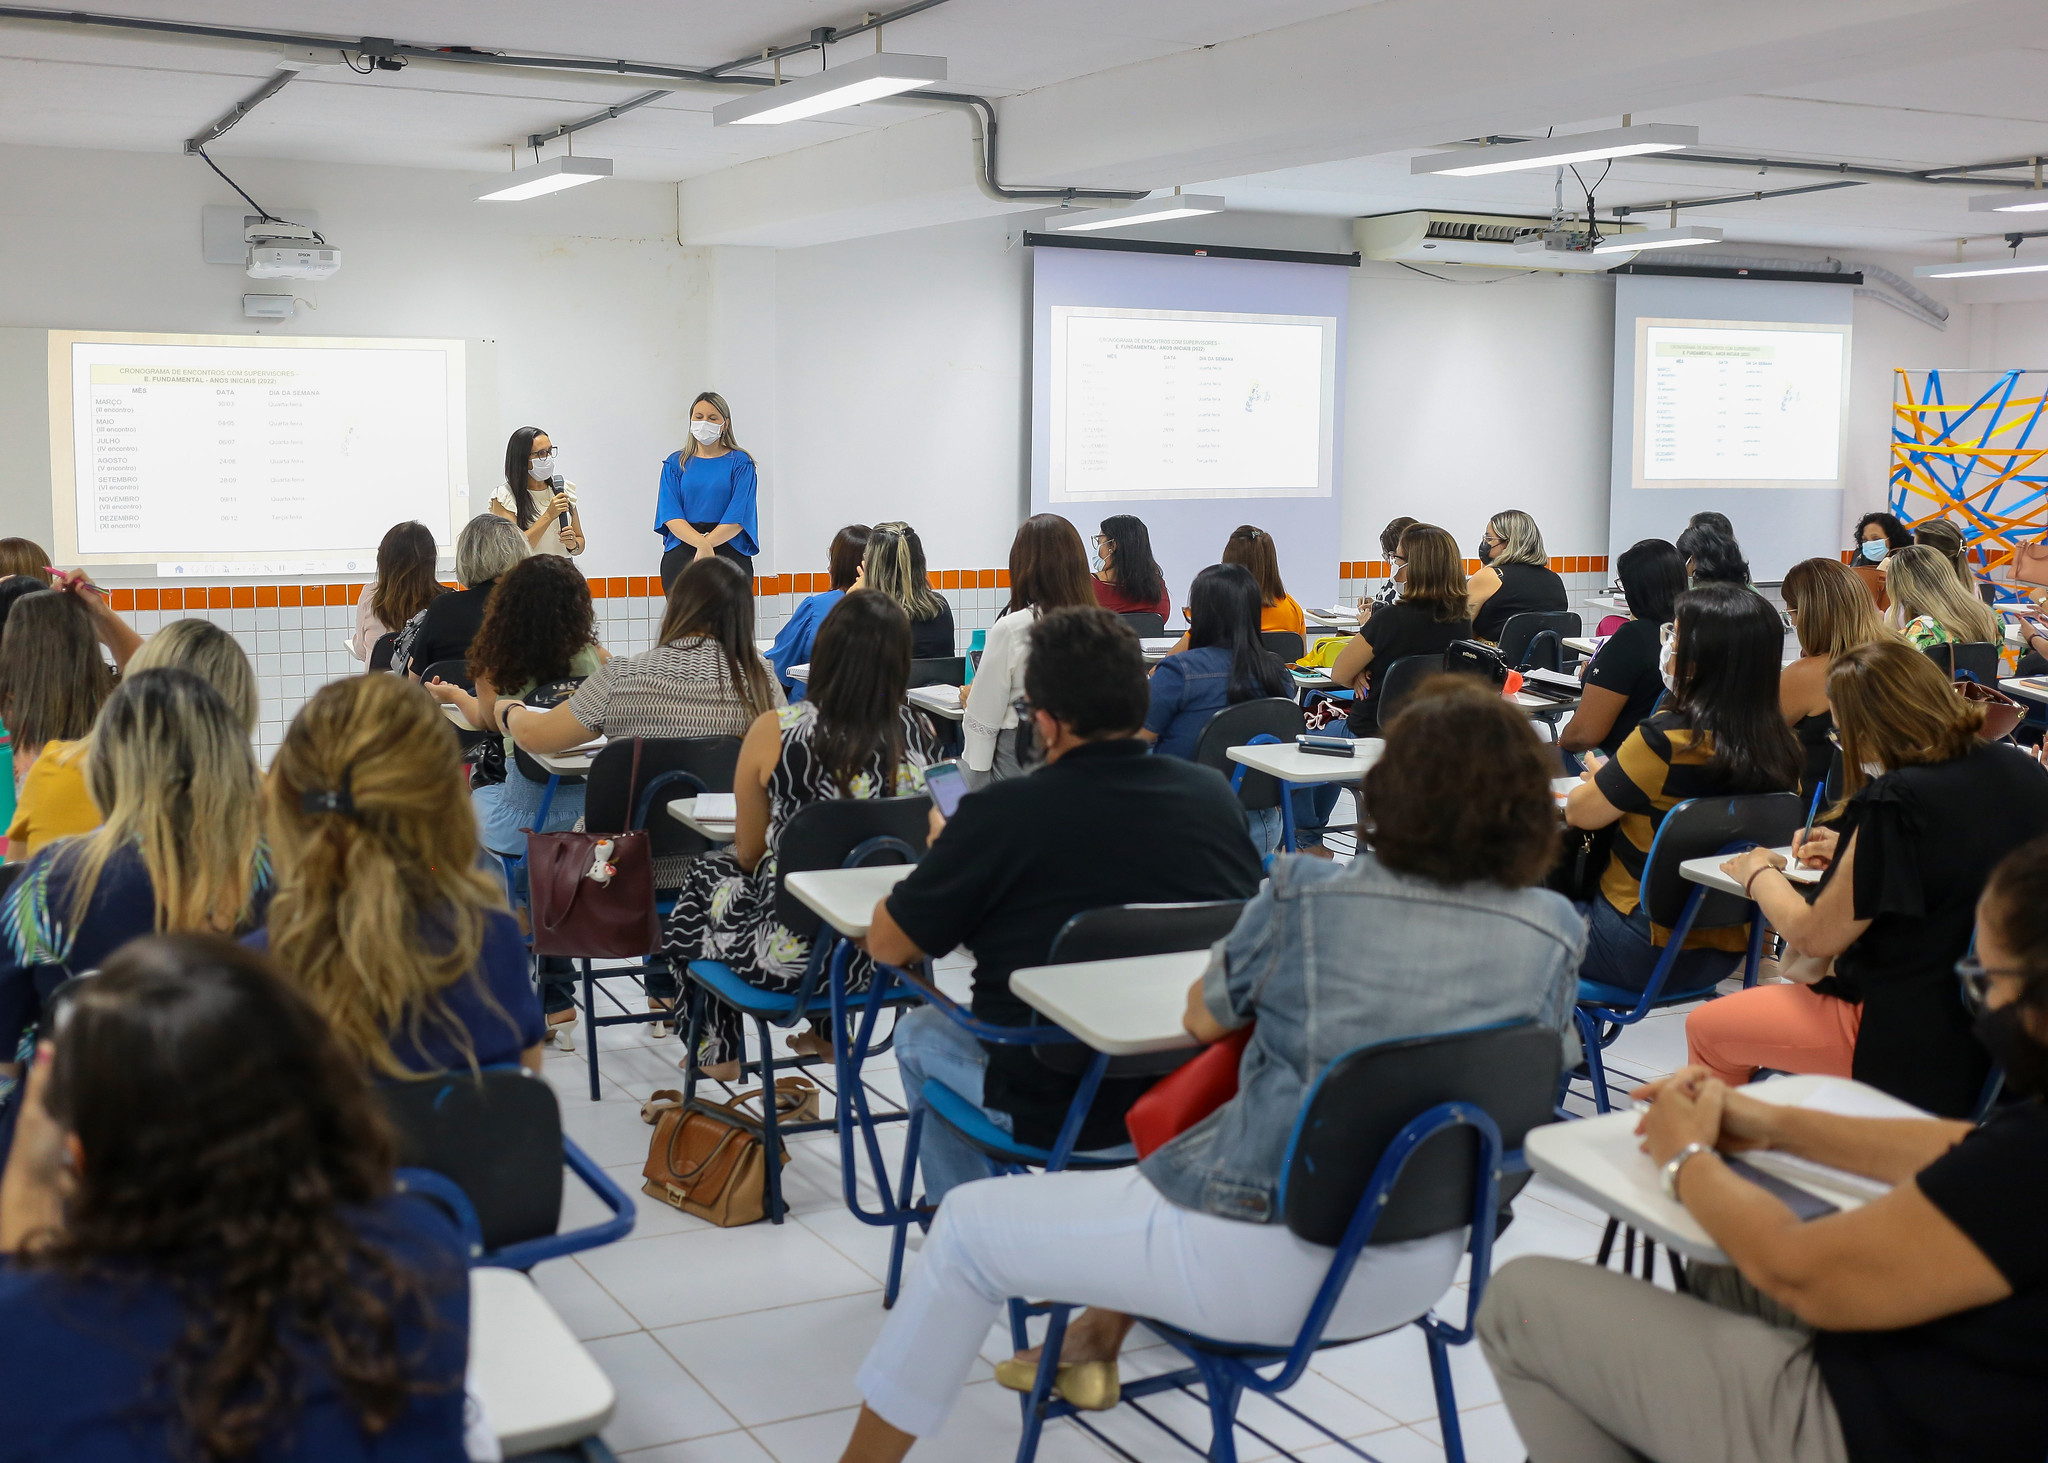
[1035, 1402]
[1446, 1396]
[1288, 838]
[590, 1027]
[1589, 1038]
[771, 1142]
[1756, 948]
[906, 1188]
[1224, 1391]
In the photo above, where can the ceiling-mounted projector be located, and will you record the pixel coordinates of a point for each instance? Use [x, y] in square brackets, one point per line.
[289, 251]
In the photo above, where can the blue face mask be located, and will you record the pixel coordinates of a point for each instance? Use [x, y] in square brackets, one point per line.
[1876, 549]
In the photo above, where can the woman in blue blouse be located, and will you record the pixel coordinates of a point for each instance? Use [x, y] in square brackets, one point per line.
[793, 642]
[706, 504]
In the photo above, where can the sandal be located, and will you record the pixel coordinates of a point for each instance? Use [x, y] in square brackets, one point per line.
[1090, 1386]
[562, 1030]
[666, 1099]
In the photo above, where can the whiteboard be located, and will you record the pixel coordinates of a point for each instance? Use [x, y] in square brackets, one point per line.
[224, 454]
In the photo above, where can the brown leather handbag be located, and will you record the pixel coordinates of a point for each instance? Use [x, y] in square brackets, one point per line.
[593, 893]
[2028, 565]
[707, 1159]
[2001, 712]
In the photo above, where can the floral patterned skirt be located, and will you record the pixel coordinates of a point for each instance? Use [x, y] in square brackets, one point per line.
[724, 913]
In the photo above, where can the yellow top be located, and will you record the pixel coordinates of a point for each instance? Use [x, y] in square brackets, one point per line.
[1284, 614]
[53, 802]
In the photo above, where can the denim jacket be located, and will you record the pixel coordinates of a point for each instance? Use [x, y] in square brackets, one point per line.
[1330, 957]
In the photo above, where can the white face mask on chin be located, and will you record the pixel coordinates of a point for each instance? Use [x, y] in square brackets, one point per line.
[706, 432]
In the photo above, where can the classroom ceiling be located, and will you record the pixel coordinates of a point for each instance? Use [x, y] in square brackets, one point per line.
[1928, 100]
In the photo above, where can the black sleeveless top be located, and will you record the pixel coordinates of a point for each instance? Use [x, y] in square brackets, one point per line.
[1813, 732]
[1524, 589]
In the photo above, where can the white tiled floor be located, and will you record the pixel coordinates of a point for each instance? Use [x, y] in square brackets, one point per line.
[740, 1345]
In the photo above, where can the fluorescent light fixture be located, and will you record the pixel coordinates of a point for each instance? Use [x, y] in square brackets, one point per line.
[551, 176]
[881, 75]
[1146, 211]
[1681, 238]
[1556, 152]
[1971, 268]
[2023, 200]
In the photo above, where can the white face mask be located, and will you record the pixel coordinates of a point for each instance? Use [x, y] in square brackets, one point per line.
[1667, 665]
[544, 466]
[1875, 550]
[706, 432]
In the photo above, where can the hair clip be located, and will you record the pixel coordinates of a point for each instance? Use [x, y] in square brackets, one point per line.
[335, 801]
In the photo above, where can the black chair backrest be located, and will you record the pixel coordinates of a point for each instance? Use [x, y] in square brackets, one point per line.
[1520, 630]
[939, 670]
[1146, 624]
[380, 653]
[1118, 932]
[454, 672]
[1703, 826]
[821, 835]
[497, 1135]
[1365, 1097]
[1978, 657]
[1289, 646]
[1987, 591]
[670, 768]
[1234, 726]
[1399, 680]
[545, 696]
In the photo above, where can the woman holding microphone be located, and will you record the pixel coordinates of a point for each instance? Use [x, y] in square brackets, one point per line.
[544, 504]
[706, 504]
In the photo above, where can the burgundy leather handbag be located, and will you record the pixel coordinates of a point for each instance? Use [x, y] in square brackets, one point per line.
[593, 893]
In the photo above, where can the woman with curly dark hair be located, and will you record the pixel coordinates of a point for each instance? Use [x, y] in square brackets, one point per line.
[539, 629]
[205, 1257]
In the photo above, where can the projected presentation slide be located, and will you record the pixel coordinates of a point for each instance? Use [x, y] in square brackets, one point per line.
[1185, 404]
[226, 448]
[1739, 404]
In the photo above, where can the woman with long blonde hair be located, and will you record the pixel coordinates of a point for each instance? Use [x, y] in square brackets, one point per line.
[180, 849]
[1514, 576]
[706, 504]
[893, 564]
[1930, 809]
[55, 801]
[384, 918]
[1832, 613]
[1930, 606]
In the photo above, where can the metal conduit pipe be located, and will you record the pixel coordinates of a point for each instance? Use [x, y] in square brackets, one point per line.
[980, 109]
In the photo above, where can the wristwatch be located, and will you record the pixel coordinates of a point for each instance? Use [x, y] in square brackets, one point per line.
[1677, 1161]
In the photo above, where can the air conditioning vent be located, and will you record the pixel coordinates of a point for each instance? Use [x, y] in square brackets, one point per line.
[1481, 240]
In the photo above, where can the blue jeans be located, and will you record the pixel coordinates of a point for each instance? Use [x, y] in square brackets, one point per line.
[503, 808]
[930, 1046]
[1619, 953]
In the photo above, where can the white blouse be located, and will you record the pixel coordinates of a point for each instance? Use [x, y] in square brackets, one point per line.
[998, 683]
[551, 538]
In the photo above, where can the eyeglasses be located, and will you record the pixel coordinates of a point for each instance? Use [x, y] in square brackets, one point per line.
[1976, 978]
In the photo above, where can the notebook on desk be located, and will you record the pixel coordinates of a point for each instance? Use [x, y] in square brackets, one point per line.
[715, 807]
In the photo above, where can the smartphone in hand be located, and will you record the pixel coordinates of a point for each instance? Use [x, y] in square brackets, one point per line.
[947, 785]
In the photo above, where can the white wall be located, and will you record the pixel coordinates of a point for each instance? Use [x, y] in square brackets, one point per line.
[600, 319]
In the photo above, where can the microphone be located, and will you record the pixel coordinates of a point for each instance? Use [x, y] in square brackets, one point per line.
[555, 482]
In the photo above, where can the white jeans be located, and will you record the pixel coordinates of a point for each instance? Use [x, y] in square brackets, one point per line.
[1108, 1238]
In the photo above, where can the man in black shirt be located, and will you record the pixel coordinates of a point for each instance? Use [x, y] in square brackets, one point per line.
[1100, 823]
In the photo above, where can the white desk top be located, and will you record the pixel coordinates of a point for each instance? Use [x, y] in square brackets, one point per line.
[800, 672]
[537, 1385]
[348, 643]
[1336, 619]
[1158, 647]
[1601, 1161]
[1530, 701]
[571, 763]
[846, 898]
[1123, 1007]
[1312, 680]
[718, 830]
[946, 701]
[1707, 871]
[454, 714]
[1612, 603]
[1289, 763]
[1584, 644]
[2027, 688]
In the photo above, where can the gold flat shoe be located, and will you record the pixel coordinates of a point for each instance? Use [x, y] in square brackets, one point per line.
[1091, 1386]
